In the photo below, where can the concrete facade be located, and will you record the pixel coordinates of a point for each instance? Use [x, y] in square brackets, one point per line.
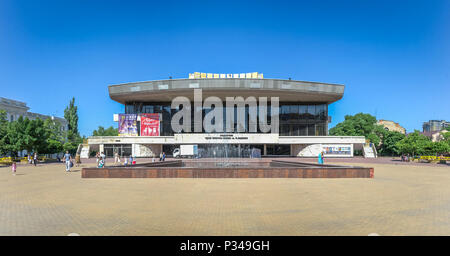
[391, 126]
[300, 145]
[15, 109]
[288, 91]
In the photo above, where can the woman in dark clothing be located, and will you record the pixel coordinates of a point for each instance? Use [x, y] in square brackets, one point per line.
[35, 158]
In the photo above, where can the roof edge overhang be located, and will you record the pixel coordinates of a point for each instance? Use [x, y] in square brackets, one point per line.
[286, 90]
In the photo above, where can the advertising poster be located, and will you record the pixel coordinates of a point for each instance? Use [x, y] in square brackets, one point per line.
[150, 124]
[128, 125]
[337, 150]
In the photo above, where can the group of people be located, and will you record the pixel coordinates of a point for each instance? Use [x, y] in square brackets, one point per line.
[404, 158]
[32, 159]
[162, 156]
[101, 159]
[127, 161]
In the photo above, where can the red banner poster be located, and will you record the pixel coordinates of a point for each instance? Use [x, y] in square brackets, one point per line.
[150, 124]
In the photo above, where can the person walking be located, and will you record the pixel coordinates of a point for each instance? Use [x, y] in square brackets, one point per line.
[116, 156]
[67, 157]
[320, 158]
[77, 160]
[164, 156]
[131, 160]
[35, 158]
[118, 159]
[29, 158]
[160, 156]
[13, 168]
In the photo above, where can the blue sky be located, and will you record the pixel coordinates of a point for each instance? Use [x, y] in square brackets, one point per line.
[393, 56]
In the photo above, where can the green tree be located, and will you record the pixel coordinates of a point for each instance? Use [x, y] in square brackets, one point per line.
[359, 125]
[389, 143]
[440, 147]
[101, 131]
[71, 115]
[37, 135]
[55, 136]
[446, 136]
[70, 146]
[73, 137]
[17, 138]
[415, 144]
[3, 131]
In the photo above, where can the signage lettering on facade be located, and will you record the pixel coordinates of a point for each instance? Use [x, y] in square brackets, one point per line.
[252, 75]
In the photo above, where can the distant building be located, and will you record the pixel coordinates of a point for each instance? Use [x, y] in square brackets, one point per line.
[435, 125]
[15, 109]
[391, 126]
[435, 136]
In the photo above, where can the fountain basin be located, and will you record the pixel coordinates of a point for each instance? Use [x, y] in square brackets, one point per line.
[230, 169]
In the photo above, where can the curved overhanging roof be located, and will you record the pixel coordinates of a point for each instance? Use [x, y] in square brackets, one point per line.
[286, 90]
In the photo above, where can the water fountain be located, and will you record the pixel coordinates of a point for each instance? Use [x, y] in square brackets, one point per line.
[227, 168]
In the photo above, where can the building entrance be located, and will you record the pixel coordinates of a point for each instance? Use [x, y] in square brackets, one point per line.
[121, 149]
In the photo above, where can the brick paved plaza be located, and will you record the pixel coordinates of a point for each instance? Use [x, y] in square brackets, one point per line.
[402, 199]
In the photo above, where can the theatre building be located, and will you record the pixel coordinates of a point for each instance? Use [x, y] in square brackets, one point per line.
[145, 128]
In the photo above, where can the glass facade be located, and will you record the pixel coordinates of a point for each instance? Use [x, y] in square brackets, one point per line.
[221, 150]
[124, 150]
[295, 119]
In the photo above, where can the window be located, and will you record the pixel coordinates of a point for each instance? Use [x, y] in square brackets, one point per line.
[311, 111]
[302, 130]
[284, 113]
[321, 111]
[284, 130]
[278, 149]
[311, 130]
[293, 113]
[148, 109]
[124, 150]
[320, 130]
[302, 110]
